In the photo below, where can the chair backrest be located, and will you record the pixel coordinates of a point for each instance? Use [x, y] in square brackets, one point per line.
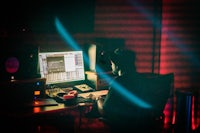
[156, 89]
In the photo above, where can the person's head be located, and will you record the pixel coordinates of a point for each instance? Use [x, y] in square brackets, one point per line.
[122, 61]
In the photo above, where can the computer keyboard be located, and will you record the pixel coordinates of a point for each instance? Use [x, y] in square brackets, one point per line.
[84, 100]
[96, 93]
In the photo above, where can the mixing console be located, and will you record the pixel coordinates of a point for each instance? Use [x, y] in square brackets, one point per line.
[52, 92]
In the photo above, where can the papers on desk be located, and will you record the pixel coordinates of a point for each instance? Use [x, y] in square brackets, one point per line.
[96, 93]
[83, 87]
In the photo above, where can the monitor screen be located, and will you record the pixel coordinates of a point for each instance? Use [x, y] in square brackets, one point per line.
[98, 52]
[61, 67]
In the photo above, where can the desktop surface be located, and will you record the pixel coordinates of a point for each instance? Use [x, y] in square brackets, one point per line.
[39, 114]
[50, 102]
[57, 93]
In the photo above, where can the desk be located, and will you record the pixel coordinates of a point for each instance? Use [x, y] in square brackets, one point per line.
[62, 117]
[27, 119]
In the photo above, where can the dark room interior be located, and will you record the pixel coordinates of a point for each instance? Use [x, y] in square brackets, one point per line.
[36, 35]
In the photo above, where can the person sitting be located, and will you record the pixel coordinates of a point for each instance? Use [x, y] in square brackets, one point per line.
[122, 107]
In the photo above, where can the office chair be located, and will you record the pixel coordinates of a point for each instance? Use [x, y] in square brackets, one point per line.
[156, 89]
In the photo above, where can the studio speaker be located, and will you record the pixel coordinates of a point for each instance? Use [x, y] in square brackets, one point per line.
[19, 62]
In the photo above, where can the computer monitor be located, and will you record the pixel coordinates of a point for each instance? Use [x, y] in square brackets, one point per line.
[98, 53]
[61, 67]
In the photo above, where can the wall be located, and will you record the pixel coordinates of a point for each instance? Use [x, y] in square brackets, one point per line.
[180, 48]
[132, 21]
[139, 23]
